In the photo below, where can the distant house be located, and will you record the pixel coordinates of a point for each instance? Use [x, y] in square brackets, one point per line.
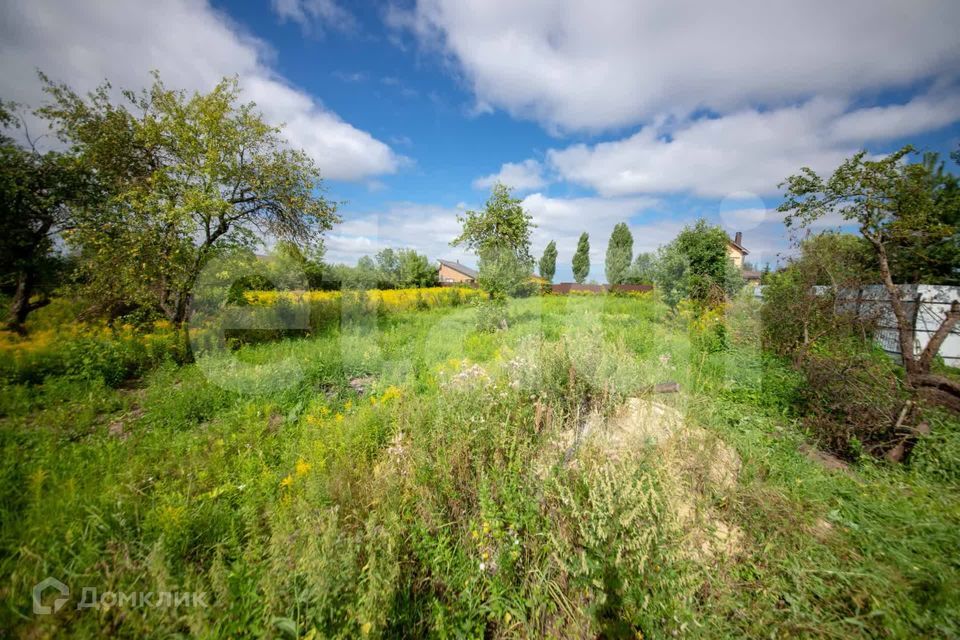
[736, 251]
[751, 277]
[453, 272]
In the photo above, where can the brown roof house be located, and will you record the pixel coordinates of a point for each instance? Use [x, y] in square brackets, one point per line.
[737, 251]
[453, 272]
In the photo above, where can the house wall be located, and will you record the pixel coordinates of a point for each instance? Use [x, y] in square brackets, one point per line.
[736, 255]
[452, 275]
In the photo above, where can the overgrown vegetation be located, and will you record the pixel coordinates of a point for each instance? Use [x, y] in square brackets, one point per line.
[440, 499]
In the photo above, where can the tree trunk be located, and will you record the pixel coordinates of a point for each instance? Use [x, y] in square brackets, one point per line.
[937, 339]
[179, 321]
[905, 329]
[20, 306]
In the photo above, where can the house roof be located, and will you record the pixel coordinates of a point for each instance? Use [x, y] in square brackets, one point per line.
[751, 275]
[456, 266]
[738, 246]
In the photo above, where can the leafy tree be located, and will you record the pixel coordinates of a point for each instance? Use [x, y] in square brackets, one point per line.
[931, 254]
[548, 263]
[500, 235]
[765, 274]
[389, 265]
[619, 254]
[581, 259]
[795, 315]
[696, 266]
[643, 269]
[893, 204]
[404, 268]
[416, 270]
[38, 195]
[188, 176]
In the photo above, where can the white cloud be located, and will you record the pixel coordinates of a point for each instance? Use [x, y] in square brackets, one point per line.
[522, 176]
[193, 46]
[427, 228]
[923, 113]
[596, 64]
[748, 150]
[745, 151]
[315, 16]
[564, 219]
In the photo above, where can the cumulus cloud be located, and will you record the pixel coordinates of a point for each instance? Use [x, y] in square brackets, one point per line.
[748, 150]
[522, 176]
[428, 228]
[193, 46]
[597, 64]
[923, 113]
[564, 219]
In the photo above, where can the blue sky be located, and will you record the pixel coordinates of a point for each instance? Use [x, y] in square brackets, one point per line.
[655, 113]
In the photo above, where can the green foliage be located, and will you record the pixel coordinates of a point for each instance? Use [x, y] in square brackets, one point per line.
[907, 211]
[500, 235]
[852, 397]
[405, 268]
[696, 266]
[491, 315]
[38, 195]
[928, 250]
[441, 502]
[795, 315]
[643, 270]
[900, 209]
[502, 225]
[187, 176]
[548, 263]
[581, 259]
[619, 254]
[108, 355]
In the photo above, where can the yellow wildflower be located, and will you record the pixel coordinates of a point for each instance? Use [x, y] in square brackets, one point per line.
[302, 467]
[390, 393]
[286, 482]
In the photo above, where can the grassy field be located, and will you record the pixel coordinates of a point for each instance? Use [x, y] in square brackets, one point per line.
[409, 476]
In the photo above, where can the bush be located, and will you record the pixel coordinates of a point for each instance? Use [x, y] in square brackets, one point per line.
[491, 315]
[86, 352]
[852, 397]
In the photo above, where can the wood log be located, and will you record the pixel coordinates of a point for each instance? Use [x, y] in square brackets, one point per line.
[663, 387]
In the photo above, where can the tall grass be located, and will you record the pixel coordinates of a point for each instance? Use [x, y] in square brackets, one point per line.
[440, 502]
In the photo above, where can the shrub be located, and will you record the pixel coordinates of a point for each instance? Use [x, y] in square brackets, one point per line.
[852, 397]
[86, 352]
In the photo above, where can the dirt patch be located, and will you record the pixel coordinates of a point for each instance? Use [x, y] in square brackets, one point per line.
[827, 461]
[821, 529]
[697, 466]
[274, 422]
[361, 384]
[118, 428]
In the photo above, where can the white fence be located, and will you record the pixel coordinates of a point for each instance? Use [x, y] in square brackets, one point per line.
[927, 304]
